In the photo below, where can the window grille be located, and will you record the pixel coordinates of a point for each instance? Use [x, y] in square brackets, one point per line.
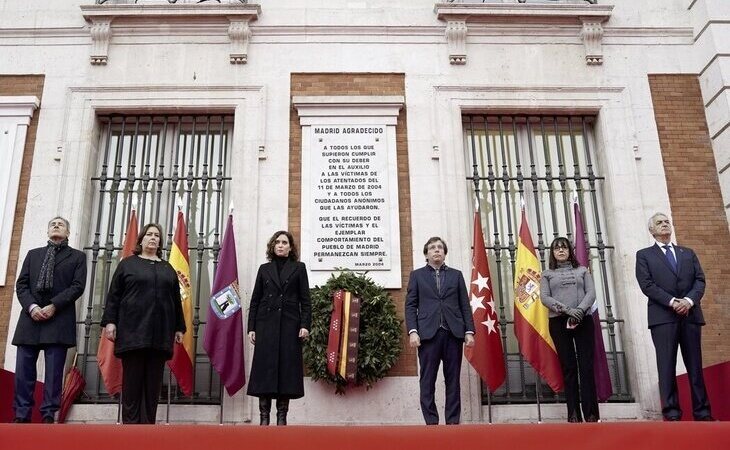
[157, 164]
[547, 161]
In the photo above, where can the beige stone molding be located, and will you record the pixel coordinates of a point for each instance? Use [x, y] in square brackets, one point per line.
[458, 17]
[16, 113]
[103, 18]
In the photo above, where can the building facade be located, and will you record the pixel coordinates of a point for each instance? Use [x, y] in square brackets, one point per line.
[154, 105]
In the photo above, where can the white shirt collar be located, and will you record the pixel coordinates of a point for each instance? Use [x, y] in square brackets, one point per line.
[661, 244]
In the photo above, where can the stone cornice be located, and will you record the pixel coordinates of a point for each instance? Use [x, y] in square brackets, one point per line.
[347, 106]
[100, 17]
[519, 12]
[18, 106]
[458, 16]
[183, 10]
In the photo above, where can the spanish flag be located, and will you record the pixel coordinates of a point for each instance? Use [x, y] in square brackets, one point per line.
[531, 316]
[181, 363]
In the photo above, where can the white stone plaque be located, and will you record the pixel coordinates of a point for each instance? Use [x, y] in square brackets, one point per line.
[350, 187]
[350, 223]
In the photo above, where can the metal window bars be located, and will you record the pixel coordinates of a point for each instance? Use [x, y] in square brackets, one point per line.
[157, 164]
[545, 160]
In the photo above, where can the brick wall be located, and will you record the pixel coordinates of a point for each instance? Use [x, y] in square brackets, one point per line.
[694, 194]
[18, 85]
[358, 84]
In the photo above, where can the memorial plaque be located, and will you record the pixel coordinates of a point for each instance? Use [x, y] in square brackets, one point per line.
[350, 223]
[349, 210]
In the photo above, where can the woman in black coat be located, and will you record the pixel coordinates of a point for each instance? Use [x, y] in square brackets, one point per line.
[144, 318]
[279, 318]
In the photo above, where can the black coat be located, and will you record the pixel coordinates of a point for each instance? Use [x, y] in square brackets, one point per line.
[144, 303]
[280, 306]
[69, 281]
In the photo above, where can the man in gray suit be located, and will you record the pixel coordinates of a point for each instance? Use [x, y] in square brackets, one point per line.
[51, 280]
[439, 321]
[672, 279]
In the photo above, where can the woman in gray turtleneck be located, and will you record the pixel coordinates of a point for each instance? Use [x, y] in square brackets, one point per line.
[568, 291]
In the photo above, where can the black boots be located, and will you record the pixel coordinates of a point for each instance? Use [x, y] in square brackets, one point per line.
[282, 407]
[265, 409]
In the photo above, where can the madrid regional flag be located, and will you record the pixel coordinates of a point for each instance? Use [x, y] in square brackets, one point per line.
[486, 356]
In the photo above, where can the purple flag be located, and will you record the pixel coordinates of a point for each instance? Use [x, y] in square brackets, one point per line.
[600, 364]
[223, 339]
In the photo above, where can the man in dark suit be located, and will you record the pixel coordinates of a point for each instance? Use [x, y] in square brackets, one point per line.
[439, 321]
[672, 278]
[51, 280]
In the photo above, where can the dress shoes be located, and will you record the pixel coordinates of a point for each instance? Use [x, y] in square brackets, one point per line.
[673, 419]
[706, 419]
[21, 420]
[48, 419]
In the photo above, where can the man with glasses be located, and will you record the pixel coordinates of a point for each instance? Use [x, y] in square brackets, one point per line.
[439, 321]
[51, 280]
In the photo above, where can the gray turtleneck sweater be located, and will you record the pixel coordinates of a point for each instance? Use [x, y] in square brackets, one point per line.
[567, 287]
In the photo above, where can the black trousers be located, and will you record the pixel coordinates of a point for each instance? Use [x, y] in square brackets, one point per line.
[575, 351]
[688, 337]
[141, 384]
[445, 347]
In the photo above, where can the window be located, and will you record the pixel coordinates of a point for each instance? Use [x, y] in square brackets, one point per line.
[545, 161]
[157, 165]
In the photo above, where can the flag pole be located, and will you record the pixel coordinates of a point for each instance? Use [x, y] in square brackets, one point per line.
[537, 378]
[489, 405]
[169, 388]
[220, 389]
[478, 209]
[538, 391]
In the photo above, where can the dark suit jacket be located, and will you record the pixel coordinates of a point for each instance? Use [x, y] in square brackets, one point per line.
[425, 306]
[69, 281]
[659, 283]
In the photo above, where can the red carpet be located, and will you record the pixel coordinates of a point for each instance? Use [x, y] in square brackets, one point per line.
[7, 391]
[717, 381]
[609, 436]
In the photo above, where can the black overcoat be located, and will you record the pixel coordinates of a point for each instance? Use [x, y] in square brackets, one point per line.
[280, 306]
[144, 303]
[69, 281]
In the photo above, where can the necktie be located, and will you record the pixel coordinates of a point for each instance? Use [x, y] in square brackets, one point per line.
[670, 258]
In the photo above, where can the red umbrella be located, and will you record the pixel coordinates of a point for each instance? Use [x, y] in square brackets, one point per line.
[71, 390]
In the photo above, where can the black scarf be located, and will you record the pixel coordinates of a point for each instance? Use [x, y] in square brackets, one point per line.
[45, 278]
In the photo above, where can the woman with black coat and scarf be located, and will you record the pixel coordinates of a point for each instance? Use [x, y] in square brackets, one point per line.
[279, 318]
[144, 318]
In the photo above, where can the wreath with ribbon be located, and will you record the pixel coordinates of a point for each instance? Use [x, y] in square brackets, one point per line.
[380, 331]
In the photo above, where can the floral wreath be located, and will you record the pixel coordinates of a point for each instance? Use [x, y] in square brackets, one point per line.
[380, 331]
